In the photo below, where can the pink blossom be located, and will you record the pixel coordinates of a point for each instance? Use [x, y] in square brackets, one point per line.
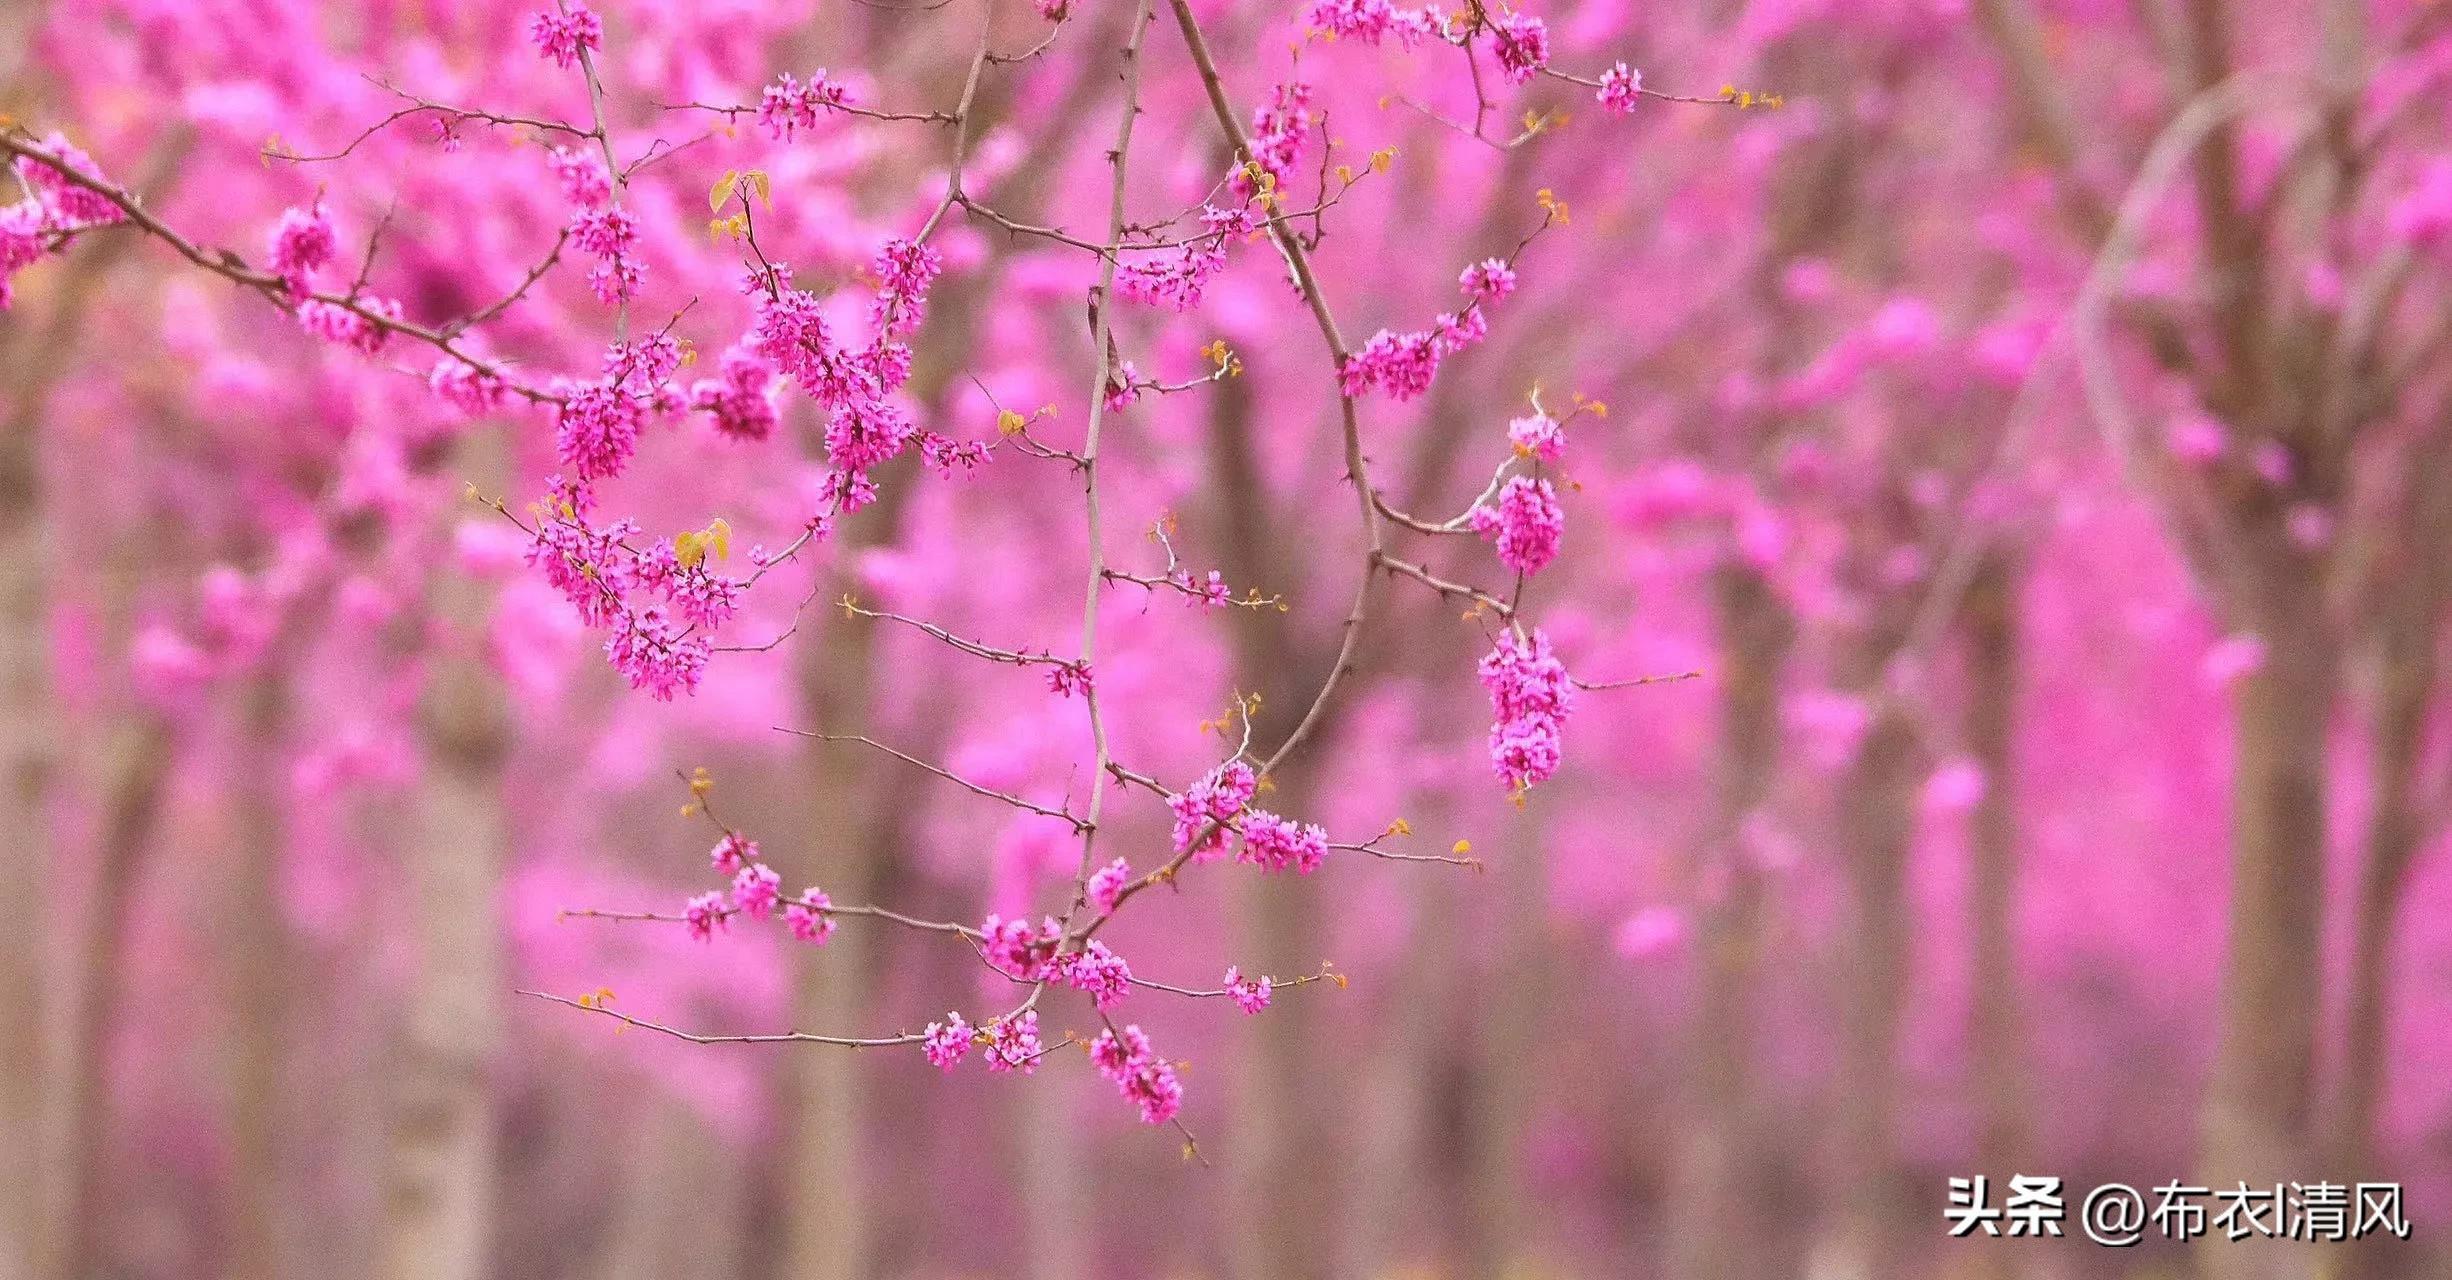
[1138, 1073]
[789, 105]
[1523, 45]
[1527, 524]
[1273, 843]
[810, 916]
[1013, 1043]
[467, 388]
[755, 890]
[1100, 972]
[563, 36]
[585, 182]
[705, 915]
[657, 654]
[1487, 281]
[733, 852]
[302, 242]
[1621, 88]
[1203, 813]
[1530, 697]
[1014, 947]
[1107, 884]
[1251, 995]
[946, 1042]
[1537, 436]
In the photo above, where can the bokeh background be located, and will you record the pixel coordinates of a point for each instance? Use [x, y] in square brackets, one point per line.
[2033, 430]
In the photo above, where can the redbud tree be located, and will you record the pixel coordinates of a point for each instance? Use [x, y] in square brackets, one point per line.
[740, 347]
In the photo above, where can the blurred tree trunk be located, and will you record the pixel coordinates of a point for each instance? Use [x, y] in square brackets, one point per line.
[31, 1230]
[439, 1189]
[1713, 1227]
[2410, 586]
[256, 962]
[682, 1202]
[1876, 815]
[28, 751]
[826, 1216]
[1502, 1237]
[1990, 626]
[2259, 1104]
[77, 1126]
[1284, 1158]
[826, 1234]
[1385, 1226]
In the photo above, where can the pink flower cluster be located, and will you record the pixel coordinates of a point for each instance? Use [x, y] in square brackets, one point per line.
[1274, 844]
[1538, 436]
[1138, 1073]
[788, 104]
[1251, 995]
[1099, 971]
[302, 242]
[359, 328]
[1203, 814]
[1179, 278]
[946, 1042]
[756, 890]
[741, 396]
[1621, 88]
[54, 208]
[1523, 43]
[609, 234]
[1530, 696]
[467, 388]
[1278, 129]
[565, 34]
[1013, 947]
[1013, 1043]
[810, 917]
[1371, 21]
[65, 203]
[1402, 364]
[635, 593]
[1527, 524]
[732, 853]
[585, 181]
[1106, 885]
[705, 914]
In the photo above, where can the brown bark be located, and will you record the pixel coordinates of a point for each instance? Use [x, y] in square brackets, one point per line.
[2259, 1104]
[1285, 1153]
[1500, 1219]
[438, 1189]
[679, 1206]
[2406, 671]
[1712, 1228]
[27, 758]
[826, 1232]
[1875, 826]
[29, 746]
[257, 964]
[77, 1123]
[1990, 626]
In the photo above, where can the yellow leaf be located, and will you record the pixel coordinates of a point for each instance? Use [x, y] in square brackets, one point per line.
[721, 533]
[1009, 423]
[758, 179]
[721, 193]
[1461, 846]
[689, 548]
